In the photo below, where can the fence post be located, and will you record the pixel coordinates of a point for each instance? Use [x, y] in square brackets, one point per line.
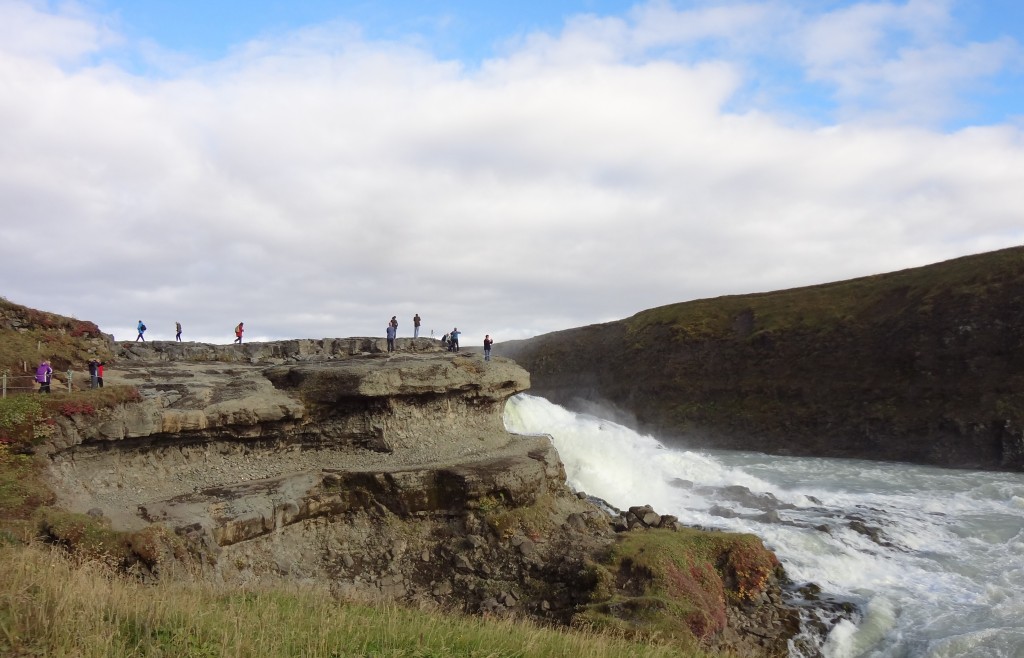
[69, 381]
[4, 377]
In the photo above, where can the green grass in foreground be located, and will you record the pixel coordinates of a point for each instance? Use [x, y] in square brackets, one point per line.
[51, 605]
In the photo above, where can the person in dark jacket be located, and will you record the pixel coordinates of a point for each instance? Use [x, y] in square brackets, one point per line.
[94, 373]
[487, 347]
[391, 331]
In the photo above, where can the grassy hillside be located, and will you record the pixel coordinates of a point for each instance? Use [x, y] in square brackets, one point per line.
[922, 365]
[53, 605]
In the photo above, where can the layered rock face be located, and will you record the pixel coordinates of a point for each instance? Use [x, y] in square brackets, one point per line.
[384, 477]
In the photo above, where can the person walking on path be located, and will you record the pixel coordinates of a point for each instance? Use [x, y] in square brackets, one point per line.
[487, 347]
[142, 329]
[392, 331]
[99, 374]
[238, 332]
[94, 373]
[43, 374]
[177, 331]
[416, 326]
[454, 339]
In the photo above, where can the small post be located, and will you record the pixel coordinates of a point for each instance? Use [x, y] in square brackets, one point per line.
[69, 381]
[4, 378]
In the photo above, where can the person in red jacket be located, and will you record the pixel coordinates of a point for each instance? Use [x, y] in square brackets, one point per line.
[238, 332]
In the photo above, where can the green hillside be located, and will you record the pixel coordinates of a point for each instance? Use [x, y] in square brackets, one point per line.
[923, 365]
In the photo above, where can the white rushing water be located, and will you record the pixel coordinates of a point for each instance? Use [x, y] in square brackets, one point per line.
[934, 558]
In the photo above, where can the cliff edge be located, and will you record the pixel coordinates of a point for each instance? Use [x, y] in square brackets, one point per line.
[391, 477]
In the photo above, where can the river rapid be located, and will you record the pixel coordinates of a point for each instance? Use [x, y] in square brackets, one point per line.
[933, 558]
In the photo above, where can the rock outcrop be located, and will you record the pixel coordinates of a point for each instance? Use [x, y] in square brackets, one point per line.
[391, 477]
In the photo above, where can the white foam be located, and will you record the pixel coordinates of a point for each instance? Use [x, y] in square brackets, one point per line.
[950, 576]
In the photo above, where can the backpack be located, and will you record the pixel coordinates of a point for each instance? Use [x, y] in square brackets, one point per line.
[142, 328]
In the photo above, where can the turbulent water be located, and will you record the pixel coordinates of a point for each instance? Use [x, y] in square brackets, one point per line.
[933, 558]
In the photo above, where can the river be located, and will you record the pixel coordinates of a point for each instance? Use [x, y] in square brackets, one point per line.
[933, 558]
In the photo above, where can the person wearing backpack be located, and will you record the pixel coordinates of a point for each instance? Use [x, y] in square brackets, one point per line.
[142, 329]
[238, 332]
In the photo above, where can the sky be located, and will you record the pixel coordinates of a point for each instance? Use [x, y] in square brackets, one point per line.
[314, 168]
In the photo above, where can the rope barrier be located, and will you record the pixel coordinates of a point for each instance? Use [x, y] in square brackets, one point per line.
[6, 377]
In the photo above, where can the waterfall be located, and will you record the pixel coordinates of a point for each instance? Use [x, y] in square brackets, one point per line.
[934, 558]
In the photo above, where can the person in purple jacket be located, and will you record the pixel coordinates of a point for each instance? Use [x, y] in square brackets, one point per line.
[43, 375]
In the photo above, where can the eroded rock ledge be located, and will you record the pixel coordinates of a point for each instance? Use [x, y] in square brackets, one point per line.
[388, 477]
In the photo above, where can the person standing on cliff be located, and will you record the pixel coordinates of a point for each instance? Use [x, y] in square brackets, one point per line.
[94, 373]
[238, 332]
[141, 329]
[392, 331]
[43, 374]
[99, 374]
[177, 331]
[487, 347]
[416, 326]
[454, 339]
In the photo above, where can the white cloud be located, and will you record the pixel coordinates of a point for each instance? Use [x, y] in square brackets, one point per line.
[28, 30]
[898, 62]
[318, 184]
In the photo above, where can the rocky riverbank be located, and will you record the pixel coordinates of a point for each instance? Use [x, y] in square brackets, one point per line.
[392, 477]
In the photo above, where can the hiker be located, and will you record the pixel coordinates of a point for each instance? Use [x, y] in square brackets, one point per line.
[43, 374]
[99, 374]
[142, 329]
[94, 373]
[177, 331]
[487, 347]
[392, 331]
[454, 339]
[416, 326]
[444, 343]
[238, 332]
[394, 323]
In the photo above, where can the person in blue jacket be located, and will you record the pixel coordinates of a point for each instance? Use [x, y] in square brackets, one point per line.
[392, 330]
[142, 329]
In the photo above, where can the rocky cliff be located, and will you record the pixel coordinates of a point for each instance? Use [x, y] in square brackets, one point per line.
[392, 477]
[924, 365]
